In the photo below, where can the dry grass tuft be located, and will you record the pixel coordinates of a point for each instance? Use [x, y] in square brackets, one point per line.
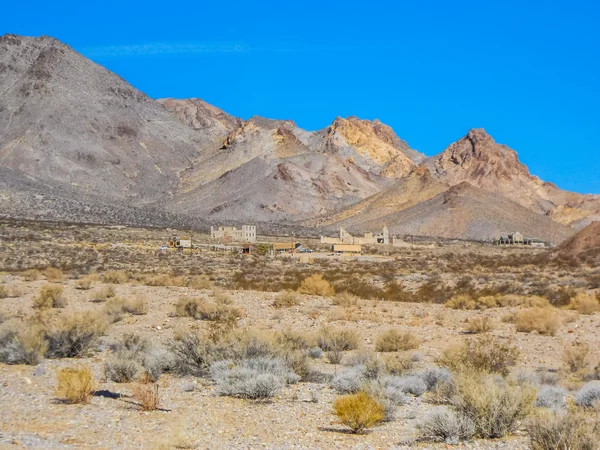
[553, 430]
[585, 304]
[115, 277]
[138, 306]
[485, 354]
[316, 285]
[146, 395]
[50, 296]
[200, 282]
[85, 283]
[164, 280]
[103, 294]
[345, 299]
[331, 339]
[54, 275]
[31, 275]
[395, 341]
[576, 358]
[359, 411]
[75, 385]
[543, 320]
[480, 324]
[286, 299]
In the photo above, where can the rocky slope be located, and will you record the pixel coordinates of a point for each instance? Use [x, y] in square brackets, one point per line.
[585, 243]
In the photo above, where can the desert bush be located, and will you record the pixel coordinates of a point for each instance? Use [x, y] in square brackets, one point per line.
[435, 376]
[576, 358]
[138, 306]
[136, 357]
[553, 397]
[409, 384]
[542, 320]
[589, 395]
[146, 394]
[115, 277]
[50, 296]
[25, 346]
[359, 411]
[31, 275]
[53, 275]
[221, 297]
[195, 307]
[286, 299]
[332, 339]
[194, 354]
[349, 380]
[345, 299]
[200, 283]
[398, 364]
[467, 302]
[316, 285]
[3, 292]
[114, 309]
[485, 354]
[334, 356]
[554, 430]
[585, 303]
[75, 385]
[69, 336]
[102, 294]
[163, 280]
[12, 291]
[395, 341]
[292, 340]
[258, 378]
[480, 324]
[495, 406]
[442, 425]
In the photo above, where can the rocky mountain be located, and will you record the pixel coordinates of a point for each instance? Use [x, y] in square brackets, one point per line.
[586, 243]
[478, 160]
[79, 144]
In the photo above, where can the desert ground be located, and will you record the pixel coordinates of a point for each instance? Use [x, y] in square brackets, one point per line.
[409, 327]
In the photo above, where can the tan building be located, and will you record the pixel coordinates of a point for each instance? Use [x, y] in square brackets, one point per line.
[368, 238]
[347, 249]
[284, 247]
[246, 234]
[180, 242]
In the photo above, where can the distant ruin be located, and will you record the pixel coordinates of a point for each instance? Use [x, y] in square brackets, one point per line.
[382, 238]
[246, 234]
[517, 238]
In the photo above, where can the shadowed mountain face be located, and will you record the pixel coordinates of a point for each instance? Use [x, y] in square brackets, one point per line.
[78, 143]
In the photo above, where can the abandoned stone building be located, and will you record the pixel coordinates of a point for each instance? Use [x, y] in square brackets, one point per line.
[517, 238]
[246, 234]
[368, 238]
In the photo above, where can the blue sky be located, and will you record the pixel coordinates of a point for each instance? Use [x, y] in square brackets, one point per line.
[527, 72]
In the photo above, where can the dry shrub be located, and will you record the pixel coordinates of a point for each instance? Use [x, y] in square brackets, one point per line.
[358, 411]
[576, 358]
[195, 307]
[543, 320]
[138, 306]
[146, 394]
[31, 275]
[85, 283]
[286, 299]
[585, 304]
[495, 406]
[14, 291]
[24, 346]
[75, 385]
[398, 364]
[557, 430]
[395, 341]
[486, 354]
[114, 309]
[103, 294]
[71, 335]
[331, 339]
[200, 282]
[467, 302]
[50, 296]
[164, 280]
[345, 299]
[221, 297]
[115, 277]
[316, 285]
[480, 324]
[292, 340]
[54, 275]
[3, 292]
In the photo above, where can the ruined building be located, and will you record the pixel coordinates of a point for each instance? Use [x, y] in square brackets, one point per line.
[246, 234]
[367, 239]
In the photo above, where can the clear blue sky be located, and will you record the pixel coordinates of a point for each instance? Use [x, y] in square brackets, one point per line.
[527, 72]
